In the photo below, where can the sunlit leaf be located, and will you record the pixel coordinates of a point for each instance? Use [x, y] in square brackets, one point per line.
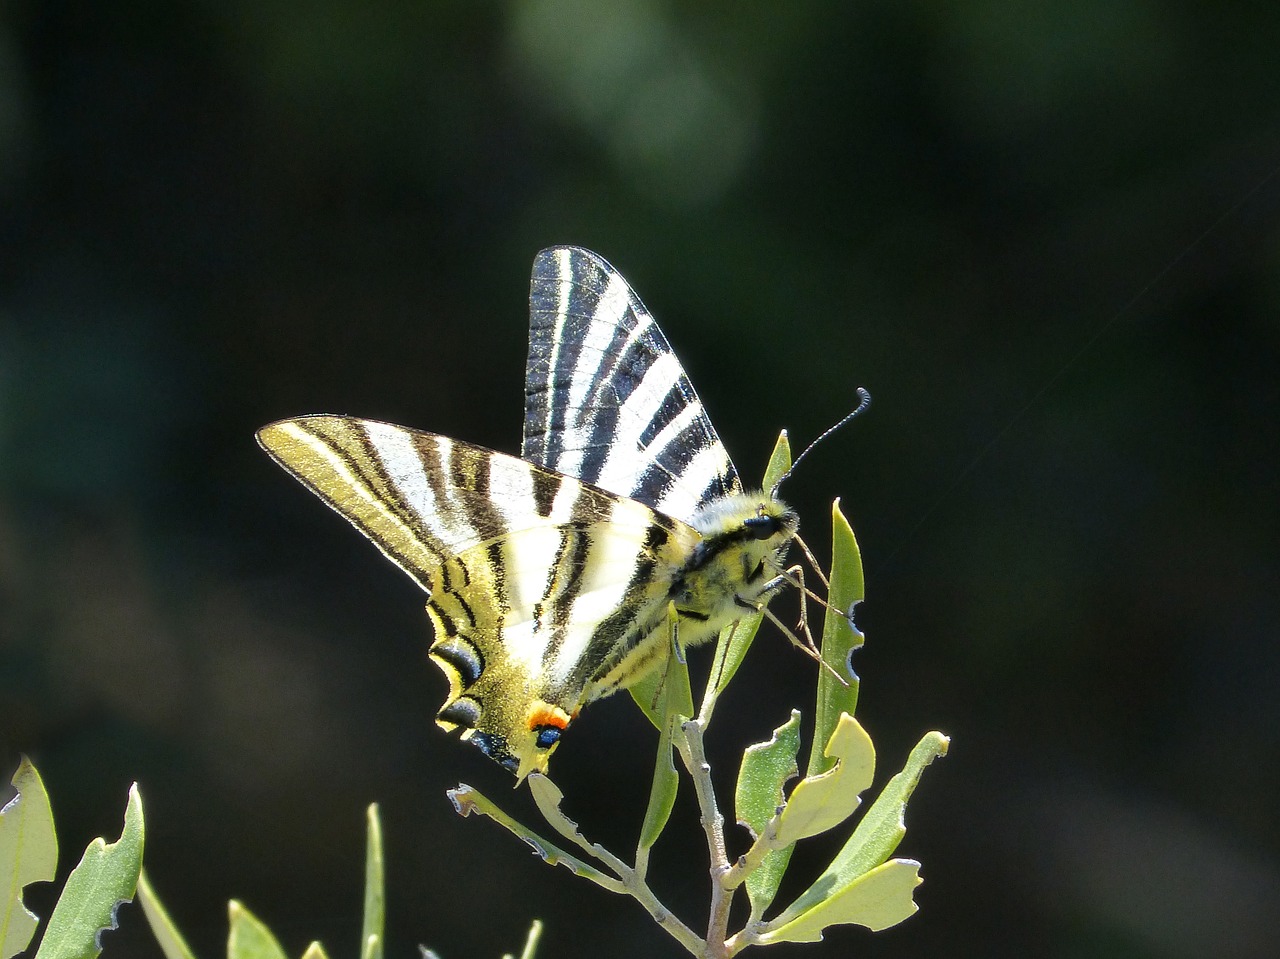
[28, 853]
[547, 795]
[162, 926]
[828, 799]
[467, 800]
[839, 638]
[882, 828]
[316, 951]
[105, 877]
[531, 940]
[249, 938]
[864, 855]
[374, 888]
[877, 899]
[766, 768]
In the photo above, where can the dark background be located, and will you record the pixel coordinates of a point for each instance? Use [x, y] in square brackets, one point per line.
[1046, 237]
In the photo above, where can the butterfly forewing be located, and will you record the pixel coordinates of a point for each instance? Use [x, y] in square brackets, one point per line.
[606, 399]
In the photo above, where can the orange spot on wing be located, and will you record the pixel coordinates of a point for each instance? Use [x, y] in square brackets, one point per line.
[546, 714]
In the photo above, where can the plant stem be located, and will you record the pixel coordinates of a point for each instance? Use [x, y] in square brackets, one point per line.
[695, 760]
[640, 891]
[630, 881]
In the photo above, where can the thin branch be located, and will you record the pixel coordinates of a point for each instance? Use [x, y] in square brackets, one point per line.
[547, 797]
[749, 861]
[695, 760]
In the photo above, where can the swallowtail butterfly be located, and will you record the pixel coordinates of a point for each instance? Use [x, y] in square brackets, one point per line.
[555, 579]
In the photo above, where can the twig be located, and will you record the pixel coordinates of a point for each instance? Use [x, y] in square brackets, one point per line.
[695, 760]
[547, 796]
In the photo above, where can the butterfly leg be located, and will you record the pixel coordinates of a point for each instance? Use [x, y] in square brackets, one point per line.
[794, 576]
[806, 645]
[813, 560]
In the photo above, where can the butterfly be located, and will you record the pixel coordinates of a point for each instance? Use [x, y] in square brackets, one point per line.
[621, 535]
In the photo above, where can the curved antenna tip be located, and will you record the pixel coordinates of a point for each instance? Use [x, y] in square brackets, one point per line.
[864, 400]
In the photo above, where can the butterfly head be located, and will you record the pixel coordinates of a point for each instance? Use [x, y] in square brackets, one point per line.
[744, 540]
[758, 521]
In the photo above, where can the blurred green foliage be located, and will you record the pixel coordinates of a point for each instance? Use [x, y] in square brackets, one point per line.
[1042, 235]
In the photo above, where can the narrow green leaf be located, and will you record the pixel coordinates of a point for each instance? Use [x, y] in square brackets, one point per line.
[664, 690]
[736, 639]
[829, 798]
[766, 768]
[779, 461]
[548, 797]
[162, 926]
[839, 638]
[467, 800]
[316, 951]
[371, 933]
[531, 940]
[662, 793]
[878, 899]
[105, 877]
[249, 938]
[28, 853]
[876, 836]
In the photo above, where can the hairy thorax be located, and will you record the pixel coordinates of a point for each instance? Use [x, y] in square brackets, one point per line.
[735, 566]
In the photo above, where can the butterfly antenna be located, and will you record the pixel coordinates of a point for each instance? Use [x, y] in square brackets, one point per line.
[864, 400]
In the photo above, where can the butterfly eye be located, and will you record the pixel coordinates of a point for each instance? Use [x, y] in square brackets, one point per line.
[548, 736]
[762, 526]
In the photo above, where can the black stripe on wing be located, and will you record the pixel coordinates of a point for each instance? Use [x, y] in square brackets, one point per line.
[605, 398]
[423, 498]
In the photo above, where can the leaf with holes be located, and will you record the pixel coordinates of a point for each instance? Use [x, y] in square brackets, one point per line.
[28, 853]
[766, 768]
[106, 876]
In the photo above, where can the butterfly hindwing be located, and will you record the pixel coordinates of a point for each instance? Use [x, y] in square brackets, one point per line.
[606, 400]
[541, 587]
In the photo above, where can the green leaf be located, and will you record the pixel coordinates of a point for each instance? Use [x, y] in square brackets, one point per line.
[664, 690]
[105, 877]
[766, 768]
[736, 638]
[547, 795]
[884, 825]
[316, 951]
[839, 638]
[666, 783]
[878, 899]
[162, 926]
[779, 461]
[467, 800]
[731, 648]
[872, 842]
[829, 798]
[375, 907]
[249, 938]
[531, 940]
[28, 853]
